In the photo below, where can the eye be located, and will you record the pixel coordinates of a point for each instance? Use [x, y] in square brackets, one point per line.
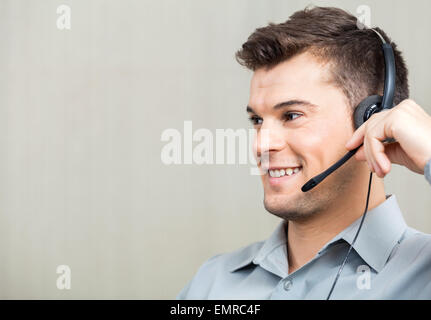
[255, 120]
[289, 116]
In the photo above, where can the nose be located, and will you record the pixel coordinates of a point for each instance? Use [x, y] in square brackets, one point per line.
[269, 139]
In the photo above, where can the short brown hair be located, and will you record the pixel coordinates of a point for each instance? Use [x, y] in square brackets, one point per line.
[355, 54]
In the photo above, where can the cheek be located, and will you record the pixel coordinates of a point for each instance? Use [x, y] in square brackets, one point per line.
[308, 147]
[320, 146]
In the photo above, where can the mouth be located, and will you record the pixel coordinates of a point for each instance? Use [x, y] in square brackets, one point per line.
[280, 175]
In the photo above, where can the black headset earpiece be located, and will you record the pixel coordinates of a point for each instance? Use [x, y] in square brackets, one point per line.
[366, 109]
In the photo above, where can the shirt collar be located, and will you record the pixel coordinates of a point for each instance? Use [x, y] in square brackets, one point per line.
[271, 255]
[382, 228]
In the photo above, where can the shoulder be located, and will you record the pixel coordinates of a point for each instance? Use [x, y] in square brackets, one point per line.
[414, 247]
[218, 269]
[415, 238]
[409, 266]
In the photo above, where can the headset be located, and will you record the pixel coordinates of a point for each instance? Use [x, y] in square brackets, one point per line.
[365, 109]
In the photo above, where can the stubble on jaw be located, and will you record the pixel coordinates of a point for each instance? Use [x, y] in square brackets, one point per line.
[320, 199]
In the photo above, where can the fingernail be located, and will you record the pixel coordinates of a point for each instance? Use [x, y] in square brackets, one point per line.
[379, 170]
[382, 160]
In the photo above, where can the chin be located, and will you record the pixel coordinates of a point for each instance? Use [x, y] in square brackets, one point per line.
[285, 207]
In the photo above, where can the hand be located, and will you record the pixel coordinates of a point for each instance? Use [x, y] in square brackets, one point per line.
[409, 125]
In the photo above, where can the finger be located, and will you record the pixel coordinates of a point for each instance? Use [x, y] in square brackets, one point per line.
[395, 153]
[359, 134]
[378, 157]
[368, 155]
[391, 151]
[357, 138]
[360, 154]
[374, 148]
[384, 163]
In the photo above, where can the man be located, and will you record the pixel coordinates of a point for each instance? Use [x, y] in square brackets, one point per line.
[309, 74]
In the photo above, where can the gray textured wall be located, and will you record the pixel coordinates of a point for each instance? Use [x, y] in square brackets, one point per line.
[81, 115]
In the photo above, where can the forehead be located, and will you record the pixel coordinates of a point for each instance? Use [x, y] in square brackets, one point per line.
[302, 76]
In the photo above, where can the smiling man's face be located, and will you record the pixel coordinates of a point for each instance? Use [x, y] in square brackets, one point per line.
[308, 121]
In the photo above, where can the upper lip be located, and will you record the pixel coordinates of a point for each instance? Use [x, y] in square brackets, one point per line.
[281, 167]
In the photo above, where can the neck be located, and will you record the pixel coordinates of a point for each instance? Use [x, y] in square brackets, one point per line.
[306, 237]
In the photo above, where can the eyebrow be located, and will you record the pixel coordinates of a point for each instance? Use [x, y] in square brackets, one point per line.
[287, 104]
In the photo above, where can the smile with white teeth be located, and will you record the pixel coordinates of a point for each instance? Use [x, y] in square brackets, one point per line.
[283, 172]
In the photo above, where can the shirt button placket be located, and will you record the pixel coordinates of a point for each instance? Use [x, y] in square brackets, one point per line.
[287, 284]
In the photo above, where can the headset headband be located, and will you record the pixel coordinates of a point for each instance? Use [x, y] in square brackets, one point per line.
[389, 86]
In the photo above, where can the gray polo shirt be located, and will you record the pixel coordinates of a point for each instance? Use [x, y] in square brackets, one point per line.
[390, 261]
